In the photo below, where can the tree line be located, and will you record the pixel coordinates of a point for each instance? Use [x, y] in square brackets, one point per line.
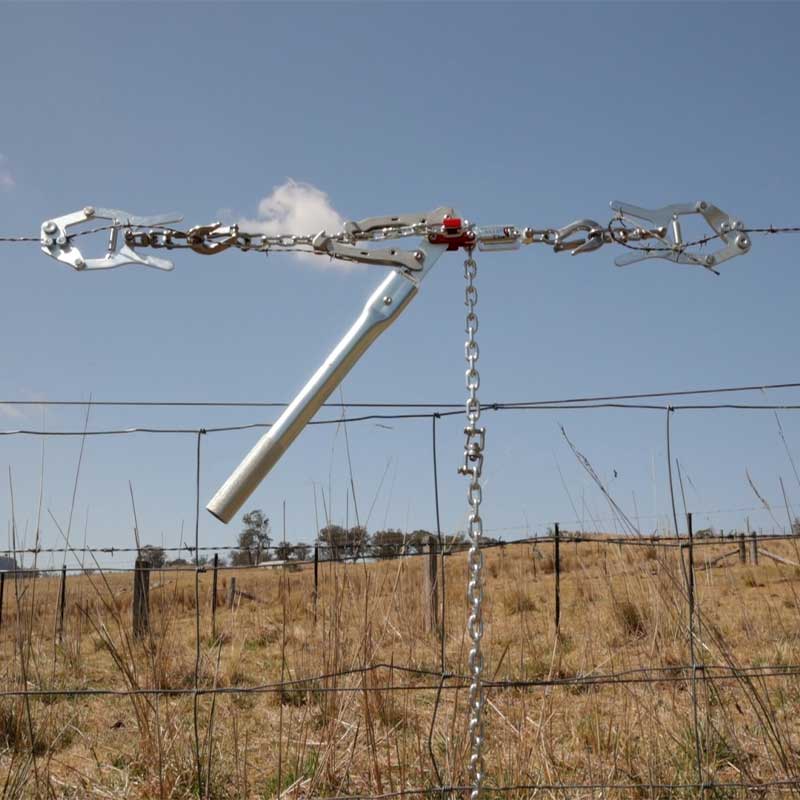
[335, 543]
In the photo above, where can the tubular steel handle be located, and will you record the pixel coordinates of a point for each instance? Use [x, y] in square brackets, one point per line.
[384, 306]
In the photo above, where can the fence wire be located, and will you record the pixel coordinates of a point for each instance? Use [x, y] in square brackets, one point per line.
[697, 673]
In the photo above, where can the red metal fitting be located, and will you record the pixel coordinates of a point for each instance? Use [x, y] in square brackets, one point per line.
[453, 235]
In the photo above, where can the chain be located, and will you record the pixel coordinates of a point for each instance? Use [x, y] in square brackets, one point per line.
[473, 467]
[210, 239]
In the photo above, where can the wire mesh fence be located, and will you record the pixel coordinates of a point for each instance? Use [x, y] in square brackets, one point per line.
[627, 665]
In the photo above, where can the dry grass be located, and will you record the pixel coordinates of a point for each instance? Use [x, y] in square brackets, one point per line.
[328, 733]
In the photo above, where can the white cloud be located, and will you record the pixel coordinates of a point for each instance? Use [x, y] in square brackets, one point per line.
[6, 178]
[298, 208]
[9, 411]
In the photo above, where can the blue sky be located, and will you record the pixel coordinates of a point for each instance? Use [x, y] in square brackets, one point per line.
[529, 114]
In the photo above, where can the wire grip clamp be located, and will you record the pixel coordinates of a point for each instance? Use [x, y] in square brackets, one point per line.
[673, 248]
[58, 243]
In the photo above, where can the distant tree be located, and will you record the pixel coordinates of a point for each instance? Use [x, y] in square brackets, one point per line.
[283, 551]
[177, 562]
[300, 551]
[388, 543]
[155, 555]
[332, 540]
[357, 541]
[338, 543]
[453, 541]
[418, 540]
[796, 526]
[254, 540]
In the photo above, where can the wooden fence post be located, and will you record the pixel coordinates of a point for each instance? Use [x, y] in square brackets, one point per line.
[141, 598]
[742, 550]
[62, 602]
[430, 583]
[690, 576]
[2, 592]
[214, 597]
[315, 595]
[754, 548]
[231, 592]
[557, 564]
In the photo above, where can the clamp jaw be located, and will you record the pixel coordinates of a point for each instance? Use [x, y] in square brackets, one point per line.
[667, 221]
[58, 243]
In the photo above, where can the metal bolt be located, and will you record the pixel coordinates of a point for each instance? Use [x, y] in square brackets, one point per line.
[50, 227]
[387, 301]
[62, 240]
[710, 260]
[724, 226]
[89, 211]
[702, 205]
[79, 263]
[47, 241]
[742, 242]
[419, 256]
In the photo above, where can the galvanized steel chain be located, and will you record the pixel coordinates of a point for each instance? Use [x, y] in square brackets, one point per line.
[473, 468]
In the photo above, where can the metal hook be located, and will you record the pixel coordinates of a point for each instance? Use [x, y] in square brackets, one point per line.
[196, 238]
[593, 241]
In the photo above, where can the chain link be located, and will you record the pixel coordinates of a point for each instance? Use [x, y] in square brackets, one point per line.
[473, 468]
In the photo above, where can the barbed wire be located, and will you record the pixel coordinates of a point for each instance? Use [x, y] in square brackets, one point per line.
[438, 406]
[194, 431]
[215, 238]
[452, 682]
[702, 241]
[450, 549]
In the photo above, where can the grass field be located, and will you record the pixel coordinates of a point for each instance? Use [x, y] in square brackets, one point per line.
[361, 714]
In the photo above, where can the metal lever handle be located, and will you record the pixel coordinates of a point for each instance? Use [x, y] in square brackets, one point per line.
[385, 305]
[370, 224]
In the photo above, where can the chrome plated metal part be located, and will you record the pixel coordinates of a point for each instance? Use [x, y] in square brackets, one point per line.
[58, 243]
[385, 304]
[673, 247]
[367, 228]
[593, 240]
[498, 237]
[473, 468]
[410, 261]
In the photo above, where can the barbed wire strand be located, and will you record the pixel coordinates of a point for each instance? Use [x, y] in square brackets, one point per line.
[450, 549]
[437, 406]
